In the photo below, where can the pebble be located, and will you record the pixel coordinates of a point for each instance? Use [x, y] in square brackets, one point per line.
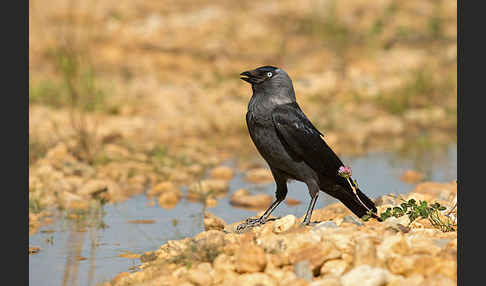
[353, 220]
[222, 172]
[303, 270]
[365, 275]
[213, 222]
[243, 198]
[284, 224]
[259, 175]
[324, 225]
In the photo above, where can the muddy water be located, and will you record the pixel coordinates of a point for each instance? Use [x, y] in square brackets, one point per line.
[74, 254]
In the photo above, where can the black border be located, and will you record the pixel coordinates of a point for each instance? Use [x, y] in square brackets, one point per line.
[460, 226]
[15, 95]
[22, 186]
[470, 151]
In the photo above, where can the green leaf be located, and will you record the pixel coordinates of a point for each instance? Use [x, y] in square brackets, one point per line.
[397, 212]
[386, 214]
[423, 213]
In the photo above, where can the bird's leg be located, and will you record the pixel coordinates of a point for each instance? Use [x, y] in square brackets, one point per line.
[314, 192]
[263, 219]
[281, 193]
[251, 222]
[309, 210]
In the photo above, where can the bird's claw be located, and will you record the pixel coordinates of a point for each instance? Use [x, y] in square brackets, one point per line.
[251, 222]
[309, 223]
[256, 221]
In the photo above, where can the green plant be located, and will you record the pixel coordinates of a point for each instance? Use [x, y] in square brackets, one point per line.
[91, 216]
[159, 153]
[37, 149]
[384, 19]
[76, 88]
[435, 27]
[47, 92]
[50, 240]
[101, 159]
[76, 84]
[421, 90]
[415, 210]
[34, 205]
[197, 251]
[325, 25]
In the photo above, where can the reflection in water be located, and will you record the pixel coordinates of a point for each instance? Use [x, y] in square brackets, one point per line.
[59, 263]
[74, 246]
[92, 253]
[76, 240]
[425, 157]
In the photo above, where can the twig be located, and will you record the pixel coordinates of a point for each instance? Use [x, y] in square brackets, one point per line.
[345, 172]
[453, 207]
[356, 194]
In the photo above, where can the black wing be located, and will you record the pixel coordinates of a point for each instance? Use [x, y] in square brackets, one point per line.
[304, 141]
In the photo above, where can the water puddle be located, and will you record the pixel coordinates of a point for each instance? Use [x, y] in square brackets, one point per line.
[79, 254]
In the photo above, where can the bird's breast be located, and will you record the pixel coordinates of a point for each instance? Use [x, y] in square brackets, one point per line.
[266, 140]
[263, 135]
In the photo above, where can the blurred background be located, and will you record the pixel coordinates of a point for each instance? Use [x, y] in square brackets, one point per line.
[124, 95]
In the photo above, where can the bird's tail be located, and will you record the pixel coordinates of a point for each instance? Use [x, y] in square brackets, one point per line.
[359, 207]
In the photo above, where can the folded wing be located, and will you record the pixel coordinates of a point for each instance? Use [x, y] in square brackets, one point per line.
[303, 141]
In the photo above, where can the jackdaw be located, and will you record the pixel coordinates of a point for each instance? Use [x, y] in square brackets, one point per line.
[293, 148]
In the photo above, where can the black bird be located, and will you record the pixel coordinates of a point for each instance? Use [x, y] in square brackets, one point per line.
[293, 148]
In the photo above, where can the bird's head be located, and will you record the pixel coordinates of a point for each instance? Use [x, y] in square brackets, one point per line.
[271, 81]
[267, 76]
[260, 75]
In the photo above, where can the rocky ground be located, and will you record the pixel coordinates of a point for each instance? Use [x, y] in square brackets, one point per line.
[339, 250]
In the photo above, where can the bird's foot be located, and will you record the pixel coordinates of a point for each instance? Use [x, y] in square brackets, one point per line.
[309, 223]
[251, 222]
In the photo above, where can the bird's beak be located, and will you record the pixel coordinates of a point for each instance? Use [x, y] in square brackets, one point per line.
[246, 76]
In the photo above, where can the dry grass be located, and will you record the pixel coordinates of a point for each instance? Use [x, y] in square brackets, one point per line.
[196, 252]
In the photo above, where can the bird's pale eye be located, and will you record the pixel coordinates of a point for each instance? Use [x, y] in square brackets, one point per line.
[269, 74]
